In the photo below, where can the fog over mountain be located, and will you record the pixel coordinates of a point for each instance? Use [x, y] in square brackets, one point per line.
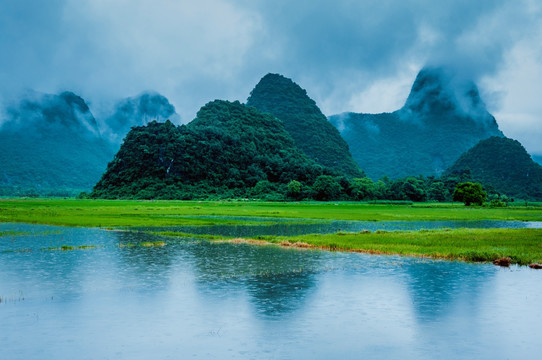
[352, 56]
[442, 118]
[137, 111]
[53, 144]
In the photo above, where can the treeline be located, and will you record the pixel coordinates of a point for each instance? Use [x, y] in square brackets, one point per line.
[323, 187]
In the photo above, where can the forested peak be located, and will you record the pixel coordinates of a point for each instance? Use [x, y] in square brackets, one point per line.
[274, 88]
[227, 113]
[312, 133]
[505, 165]
[495, 149]
[228, 149]
[223, 108]
[73, 100]
[441, 90]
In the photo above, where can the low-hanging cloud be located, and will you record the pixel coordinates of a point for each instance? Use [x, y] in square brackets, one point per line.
[193, 52]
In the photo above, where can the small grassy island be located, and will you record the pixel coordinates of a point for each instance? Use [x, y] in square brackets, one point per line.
[521, 246]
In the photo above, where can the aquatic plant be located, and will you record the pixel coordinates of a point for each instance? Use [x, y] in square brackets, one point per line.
[70, 247]
[153, 243]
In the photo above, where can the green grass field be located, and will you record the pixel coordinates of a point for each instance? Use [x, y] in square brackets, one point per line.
[523, 246]
[118, 213]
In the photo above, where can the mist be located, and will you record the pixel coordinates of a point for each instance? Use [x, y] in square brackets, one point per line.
[350, 56]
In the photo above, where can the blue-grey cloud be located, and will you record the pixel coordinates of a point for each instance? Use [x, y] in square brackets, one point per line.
[343, 52]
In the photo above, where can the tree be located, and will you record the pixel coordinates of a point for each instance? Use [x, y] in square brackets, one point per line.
[409, 188]
[326, 188]
[294, 189]
[437, 191]
[469, 193]
[363, 189]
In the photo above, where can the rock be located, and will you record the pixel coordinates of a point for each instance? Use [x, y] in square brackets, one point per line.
[504, 262]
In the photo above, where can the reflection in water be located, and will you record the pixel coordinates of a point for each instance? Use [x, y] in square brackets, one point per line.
[280, 294]
[198, 299]
[436, 287]
[148, 266]
[277, 279]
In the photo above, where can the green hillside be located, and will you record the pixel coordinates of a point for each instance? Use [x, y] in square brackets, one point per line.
[503, 164]
[229, 150]
[312, 133]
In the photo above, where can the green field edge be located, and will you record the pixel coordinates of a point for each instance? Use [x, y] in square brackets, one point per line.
[522, 246]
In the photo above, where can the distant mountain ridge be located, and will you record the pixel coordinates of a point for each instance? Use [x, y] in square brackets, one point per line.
[442, 118]
[139, 110]
[53, 145]
[312, 133]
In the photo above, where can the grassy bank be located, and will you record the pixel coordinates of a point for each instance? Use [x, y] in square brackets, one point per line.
[522, 246]
[111, 213]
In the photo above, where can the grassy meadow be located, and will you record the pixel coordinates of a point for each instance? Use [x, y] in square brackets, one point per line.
[522, 246]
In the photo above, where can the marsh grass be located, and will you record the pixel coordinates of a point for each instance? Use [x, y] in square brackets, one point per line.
[145, 244]
[26, 250]
[13, 233]
[152, 243]
[6, 299]
[69, 248]
[522, 246]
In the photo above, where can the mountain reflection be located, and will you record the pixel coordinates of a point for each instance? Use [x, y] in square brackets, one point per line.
[437, 288]
[277, 280]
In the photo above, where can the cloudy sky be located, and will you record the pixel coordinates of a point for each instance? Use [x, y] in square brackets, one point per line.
[350, 55]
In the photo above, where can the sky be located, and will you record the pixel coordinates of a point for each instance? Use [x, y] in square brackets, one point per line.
[359, 56]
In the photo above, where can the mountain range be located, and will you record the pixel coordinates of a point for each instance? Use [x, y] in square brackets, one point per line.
[442, 118]
[53, 145]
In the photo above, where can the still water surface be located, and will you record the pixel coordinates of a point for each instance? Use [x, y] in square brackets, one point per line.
[293, 227]
[197, 300]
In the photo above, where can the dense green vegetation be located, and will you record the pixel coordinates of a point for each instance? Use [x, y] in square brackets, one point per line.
[229, 151]
[312, 133]
[440, 120]
[470, 193]
[234, 151]
[503, 166]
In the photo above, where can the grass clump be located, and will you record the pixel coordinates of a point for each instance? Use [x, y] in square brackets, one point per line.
[153, 244]
[70, 247]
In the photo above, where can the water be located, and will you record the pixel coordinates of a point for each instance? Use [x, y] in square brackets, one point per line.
[198, 300]
[293, 227]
